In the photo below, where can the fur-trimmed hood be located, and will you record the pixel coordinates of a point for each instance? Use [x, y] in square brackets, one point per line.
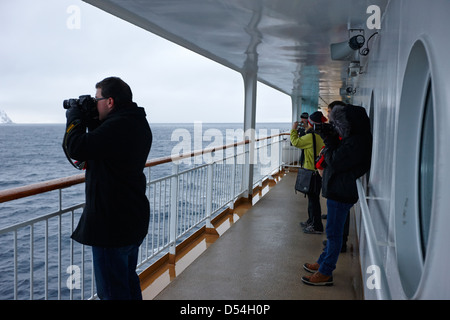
[350, 120]
[350, 158]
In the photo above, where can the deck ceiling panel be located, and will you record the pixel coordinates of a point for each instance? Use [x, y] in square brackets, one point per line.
[290, 38]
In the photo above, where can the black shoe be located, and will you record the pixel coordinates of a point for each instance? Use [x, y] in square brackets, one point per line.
[304, 224]
[310, 230]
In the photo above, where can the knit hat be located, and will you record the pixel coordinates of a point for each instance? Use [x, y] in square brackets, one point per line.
[304, 115]
[316, 118]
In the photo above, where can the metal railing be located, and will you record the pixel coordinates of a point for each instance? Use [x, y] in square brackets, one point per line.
[291, 155]
[39, 260]
[374, 255]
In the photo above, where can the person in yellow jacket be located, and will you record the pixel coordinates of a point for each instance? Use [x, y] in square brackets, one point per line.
[314, 223]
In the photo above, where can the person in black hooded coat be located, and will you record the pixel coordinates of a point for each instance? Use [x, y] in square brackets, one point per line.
[347, 156]
[116, 215]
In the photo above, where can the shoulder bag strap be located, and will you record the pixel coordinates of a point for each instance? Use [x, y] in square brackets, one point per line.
[314, 147]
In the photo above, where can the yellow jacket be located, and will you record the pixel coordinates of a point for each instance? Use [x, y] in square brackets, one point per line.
[306, 143]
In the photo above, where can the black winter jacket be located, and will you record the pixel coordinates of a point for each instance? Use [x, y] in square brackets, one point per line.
[117, 209]
[347, 159]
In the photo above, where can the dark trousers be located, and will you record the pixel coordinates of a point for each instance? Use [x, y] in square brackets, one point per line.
[115, 273]
[314, 211]
[336, 217]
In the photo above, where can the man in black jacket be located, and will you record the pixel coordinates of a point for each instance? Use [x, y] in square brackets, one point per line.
[347, 156]
[116, 216]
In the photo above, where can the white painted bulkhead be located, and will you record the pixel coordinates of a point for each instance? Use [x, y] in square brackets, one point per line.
[411, 48]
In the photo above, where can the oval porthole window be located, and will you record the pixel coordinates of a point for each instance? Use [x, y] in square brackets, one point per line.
[366, 178]
[414, 173]
[426, 169]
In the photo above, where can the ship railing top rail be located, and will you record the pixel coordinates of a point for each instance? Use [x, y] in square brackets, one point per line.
[61, 183]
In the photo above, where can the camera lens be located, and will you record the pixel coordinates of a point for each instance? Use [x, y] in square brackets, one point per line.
[66, 104]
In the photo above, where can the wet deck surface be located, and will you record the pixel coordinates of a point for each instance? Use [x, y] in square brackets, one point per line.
[261, 257]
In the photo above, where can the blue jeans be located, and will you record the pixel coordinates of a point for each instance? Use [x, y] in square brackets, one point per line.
[336, 216]
[115, 273]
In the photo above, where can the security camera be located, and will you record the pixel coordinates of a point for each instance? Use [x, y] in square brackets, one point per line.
[348, 50]
[347, 91]
[357, 42]
[350, 90]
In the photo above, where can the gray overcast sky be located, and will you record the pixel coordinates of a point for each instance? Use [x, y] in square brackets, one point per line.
[43, 62]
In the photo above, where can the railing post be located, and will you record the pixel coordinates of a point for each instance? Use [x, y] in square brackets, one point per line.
[280, 153]
[173, 209]
[16, 254]
[233, 181]
[209, 192]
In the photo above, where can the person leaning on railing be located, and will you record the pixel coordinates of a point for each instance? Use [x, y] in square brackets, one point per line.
[116, 216]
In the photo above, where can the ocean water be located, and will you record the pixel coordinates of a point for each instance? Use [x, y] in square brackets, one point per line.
[31, 153]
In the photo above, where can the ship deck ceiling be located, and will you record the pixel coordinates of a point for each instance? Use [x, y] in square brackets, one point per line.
[290, 38]
[261, 257]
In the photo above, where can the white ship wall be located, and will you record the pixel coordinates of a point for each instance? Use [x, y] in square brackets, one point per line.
[394, 93]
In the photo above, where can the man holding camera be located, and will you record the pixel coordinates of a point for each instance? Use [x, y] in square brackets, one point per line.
[346, 157]
[116, 215]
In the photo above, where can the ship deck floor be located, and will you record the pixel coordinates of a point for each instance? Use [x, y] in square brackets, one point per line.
[261, 257]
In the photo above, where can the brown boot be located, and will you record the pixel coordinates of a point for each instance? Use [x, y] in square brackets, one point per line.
[318, 279]
[311, 267]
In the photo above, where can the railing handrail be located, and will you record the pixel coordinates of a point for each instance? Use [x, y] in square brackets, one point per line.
[60, 183]
[40, 187]
[168, 159]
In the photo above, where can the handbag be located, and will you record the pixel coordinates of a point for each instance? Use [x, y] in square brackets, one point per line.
[303, 182]
[308, 181]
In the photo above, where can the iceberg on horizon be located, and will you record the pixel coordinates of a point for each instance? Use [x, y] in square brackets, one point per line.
[4, 117]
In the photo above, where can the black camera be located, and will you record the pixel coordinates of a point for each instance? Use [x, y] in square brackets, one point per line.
[301, 130]
[324, 129]
[86, 103]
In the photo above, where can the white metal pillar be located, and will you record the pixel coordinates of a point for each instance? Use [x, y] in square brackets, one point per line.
[250, 84]
[296, 107]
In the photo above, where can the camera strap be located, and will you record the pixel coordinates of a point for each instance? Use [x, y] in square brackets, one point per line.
[80, 165]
